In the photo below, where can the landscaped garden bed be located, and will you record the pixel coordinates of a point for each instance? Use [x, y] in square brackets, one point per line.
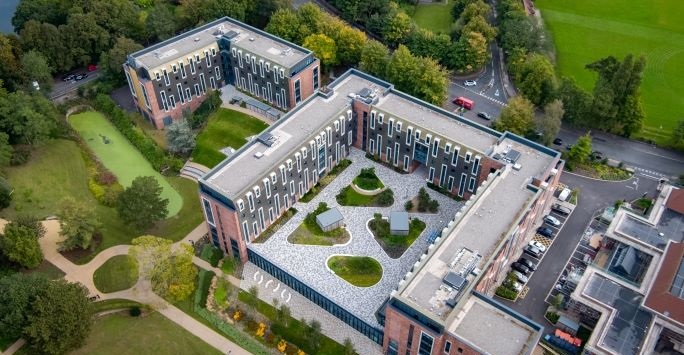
[310, 233]
[116, 274]
[394, 245]
[349, 197]
[443, 191]
[601, 171]
[367, 180]
[274, 227]
[326, 180]
[361, 271]
[422, 203]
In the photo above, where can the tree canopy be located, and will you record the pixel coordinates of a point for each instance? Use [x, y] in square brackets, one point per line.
[141, 204]
[180, 138]
[77, 223]
[20, 245]
[517, 116]
[580, 151]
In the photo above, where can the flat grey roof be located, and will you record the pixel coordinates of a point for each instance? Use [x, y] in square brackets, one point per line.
[480, 229]
[399, 221]
[293, 130]
[430, 118]
[263, 44]
[493, 331]
[329, 217]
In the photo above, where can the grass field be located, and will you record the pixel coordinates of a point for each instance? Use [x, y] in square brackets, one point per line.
[121, 334]
[226, 128]
[434, 17]
[586, 30]
[362, 271]
[57, 169]
[116, 274]
[120, 156]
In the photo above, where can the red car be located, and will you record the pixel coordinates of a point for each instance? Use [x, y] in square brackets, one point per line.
[92, 67]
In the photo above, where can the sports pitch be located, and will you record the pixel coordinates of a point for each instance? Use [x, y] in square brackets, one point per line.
[587, 30]
[119, 156]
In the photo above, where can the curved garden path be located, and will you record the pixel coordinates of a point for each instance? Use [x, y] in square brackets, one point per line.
[141, 292]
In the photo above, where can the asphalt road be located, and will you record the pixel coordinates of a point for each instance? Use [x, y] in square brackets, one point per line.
[63, 88]
[650, 161]
[593, 196]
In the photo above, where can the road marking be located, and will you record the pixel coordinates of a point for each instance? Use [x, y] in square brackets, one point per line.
[477, 93]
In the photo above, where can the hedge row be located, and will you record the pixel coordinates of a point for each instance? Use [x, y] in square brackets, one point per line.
[145, 145]
[203, 284]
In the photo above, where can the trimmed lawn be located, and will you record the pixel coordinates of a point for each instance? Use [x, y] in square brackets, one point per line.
[395, 245]
[349, 197]
[309, 232]
[367, 180]
[116, 274]
[119, 155]
[121, 334]
[434, 17]
[226, 128]
[362, 271]
[57, 169]
[585, 31]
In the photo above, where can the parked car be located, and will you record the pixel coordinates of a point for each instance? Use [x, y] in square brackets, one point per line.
[92, 67]
[522, 278]
[536, 244]
[69, 77]
[560, 209]
[552, 220]
[484, 115]
[516, 286]
[533, 251]
[558, 141]
[545, 231]
[520, 267]
[529, 263]
[81, 76]
[470, 83]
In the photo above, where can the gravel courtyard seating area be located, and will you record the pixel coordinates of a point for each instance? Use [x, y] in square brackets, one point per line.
[308, 263]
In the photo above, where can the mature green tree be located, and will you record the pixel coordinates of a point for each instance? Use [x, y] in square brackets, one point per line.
[285, 24]
[141, 204]
[50, 11]
[259, 14]
[432, 83]
[397, 26]
[311, 19]
[324, 47]
[160, 23]
[26, 119]
[550, 123]
[458, 7]
[517, 116]
[475, 51]
[678, 133]
[60, 319]
[537, 79]
[361, 11]
[374, 58]
[169, 268]
[519, 31]
[6, 150]
[349, 41]
[5, 195]
[480, 25]
[425, 43]
[474, 9]
[77, 224]
[179, 138]
[402, 69]
[11, 72]
[580, 151]
[121, 18]
[576, 103]
[194, 12]
[31, 222]
[17, 294]
[84, 40]
[20, 245]
[112, 60]
[36, 68]
[46, 39]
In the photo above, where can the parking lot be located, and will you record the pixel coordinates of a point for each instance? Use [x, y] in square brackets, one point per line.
[547, 243]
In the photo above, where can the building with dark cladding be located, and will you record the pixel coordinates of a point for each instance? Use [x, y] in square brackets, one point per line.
[174, 76]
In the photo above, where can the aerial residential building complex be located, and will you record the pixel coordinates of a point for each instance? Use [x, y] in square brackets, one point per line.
[435, 298]
[632, 291]
[174, 76]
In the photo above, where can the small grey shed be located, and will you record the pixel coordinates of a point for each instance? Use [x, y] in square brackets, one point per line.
[330, 220]
[399, 223]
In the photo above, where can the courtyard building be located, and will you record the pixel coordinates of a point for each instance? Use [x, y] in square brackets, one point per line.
[172, 78]
[502, 183]
[330, 220]
[399, 223]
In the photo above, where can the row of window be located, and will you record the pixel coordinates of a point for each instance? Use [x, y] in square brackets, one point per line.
[185, 94]
[193, 63]
[264, 92]
[264, 66]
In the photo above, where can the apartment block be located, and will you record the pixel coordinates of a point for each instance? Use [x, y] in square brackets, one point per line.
[174, 76]
[435, 300]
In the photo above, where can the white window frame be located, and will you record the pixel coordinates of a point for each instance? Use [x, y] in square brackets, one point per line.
[146, 98]
[257, 191]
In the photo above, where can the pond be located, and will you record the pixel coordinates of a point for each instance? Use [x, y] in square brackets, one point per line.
[7, 8]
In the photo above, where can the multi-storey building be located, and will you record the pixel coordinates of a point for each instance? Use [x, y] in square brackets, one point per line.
[440, 301]
[632, 290]
[175, 75]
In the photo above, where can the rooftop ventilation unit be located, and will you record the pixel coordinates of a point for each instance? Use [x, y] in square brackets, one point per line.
[230, 34]
[197, 39]
[512, 156]
[258, 155]
[267, 139]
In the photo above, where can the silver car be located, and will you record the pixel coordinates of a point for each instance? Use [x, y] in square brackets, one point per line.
[470, 83]
[522, 278]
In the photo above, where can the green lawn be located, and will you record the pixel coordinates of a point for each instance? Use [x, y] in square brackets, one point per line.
[226, 128]
[119, 155]
[395, 245]
[309, 232]
[349, 197]
[57, 169]
[116, 274]
[362, 271]
[434, 17]
[367, 180]
[121, 334]
[586, 30]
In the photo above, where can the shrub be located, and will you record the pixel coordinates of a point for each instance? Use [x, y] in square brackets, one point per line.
[211, 254]
[506, 293]
[111, 195]
[552, 317]
[385, 198]
[408, 205]
[105, 177]
[5, 193]
[20, 155]
[203, 283]
[134, 311]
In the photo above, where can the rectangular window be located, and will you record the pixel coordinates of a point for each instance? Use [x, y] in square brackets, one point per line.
[207, 59]
[156, 75]
[257, 191]
[277, 203]
[217, 71]
[268, 67]
[349, 138]
[212, 82]
[417, 135]
[147, 99]
[282, 93]
[241, 205]
[275, 73]
[261, 67]
[443, 175]
[197, 90]
[342, 123]
[447, 347]
[431, 175]
[207, 211]
[245, 231]
[476, 165]
[381, 118]
[462, 185]
[428, 139]
[188, 95]
[315, 78]
[262, 223]
[282, 73]
[182, 69]
[435, 147]
[165, 103]
[447, 148]
[451, 183]
[301, 188]
[321, 159]
[172, 100]
[180, 93]
[263, 93]
[250, 201]
[283, 176]
[471, 186]
[270, 92]
[274, 178]
[406, 162]
[213, 52]
[251, 84]
[298, 91]
[174, 68]
[396, 154]
[239, 58]
[254, 65]
[454, 158]
[271, 216]
[255, 229]
[234, 51]
[388, 154]
[298, 158]
[372, 120]
[398, 127]
[203, 84]
[468, 156]
[167, 81]
[390, 127]
[379, 144]
[292, 188]
[426, 342]
[328, 131]
[409, 135]
[289, 164]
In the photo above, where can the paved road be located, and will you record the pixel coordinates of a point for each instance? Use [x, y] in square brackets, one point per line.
[62, 88]
[652, 162]
[593, 196]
